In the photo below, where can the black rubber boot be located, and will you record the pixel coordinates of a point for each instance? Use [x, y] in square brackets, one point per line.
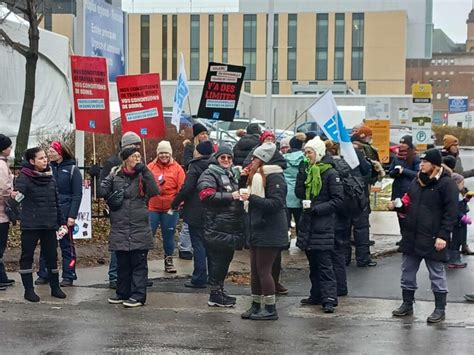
[30, 295]
[438, 314]
[268, 312]
[254, 308]
[406, 307]
[54, 284]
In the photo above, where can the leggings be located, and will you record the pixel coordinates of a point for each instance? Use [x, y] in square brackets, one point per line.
[261, 261]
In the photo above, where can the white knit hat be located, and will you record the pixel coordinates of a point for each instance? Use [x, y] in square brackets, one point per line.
[164, 147]
[318, 146]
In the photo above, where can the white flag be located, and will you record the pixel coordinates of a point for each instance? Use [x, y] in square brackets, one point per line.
[182, 92]
[327, 116]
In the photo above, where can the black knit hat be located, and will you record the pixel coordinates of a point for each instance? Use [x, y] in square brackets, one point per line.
[224, 149]
[433, 156]
[449, 161]
[5, 142]
[205, 148]
[297, 141]
[408, 140]
[198, 128]
[126, 152]
[254, 128]
[310, 135]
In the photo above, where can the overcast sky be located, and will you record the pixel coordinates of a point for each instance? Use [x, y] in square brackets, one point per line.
[449, 15]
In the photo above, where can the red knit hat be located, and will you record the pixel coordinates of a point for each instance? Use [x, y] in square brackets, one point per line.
[57, 147]
[267, 134]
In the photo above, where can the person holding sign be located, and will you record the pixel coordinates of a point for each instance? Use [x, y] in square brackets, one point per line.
[223, 221]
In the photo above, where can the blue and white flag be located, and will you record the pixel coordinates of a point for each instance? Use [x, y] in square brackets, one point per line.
[182, 92]
[327, 116]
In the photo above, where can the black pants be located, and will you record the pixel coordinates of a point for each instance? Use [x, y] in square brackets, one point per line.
[218, 261]
[458, 237]
[296, 214]
[3, 245]
[132, 274]
[357, 223]
[49, 244]
[339, 262]
[321, 274]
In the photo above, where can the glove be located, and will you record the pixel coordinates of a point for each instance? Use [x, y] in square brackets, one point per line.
[140, 167]
[466, 219]
[94, 170]
[394, 173]
[406, 199]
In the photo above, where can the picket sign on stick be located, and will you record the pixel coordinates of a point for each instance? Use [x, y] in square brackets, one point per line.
[94, 162]
[144, 151]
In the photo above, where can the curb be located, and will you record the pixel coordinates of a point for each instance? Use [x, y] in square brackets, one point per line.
[386, 252]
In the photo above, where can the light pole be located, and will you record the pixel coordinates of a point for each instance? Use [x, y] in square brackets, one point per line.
[268, 101]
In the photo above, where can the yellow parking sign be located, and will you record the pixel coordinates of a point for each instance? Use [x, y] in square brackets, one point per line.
[421, 91]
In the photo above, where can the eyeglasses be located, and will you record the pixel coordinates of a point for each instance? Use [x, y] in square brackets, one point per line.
[225, 157]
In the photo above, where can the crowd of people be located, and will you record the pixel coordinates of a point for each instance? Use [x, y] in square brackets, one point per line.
[249, 196]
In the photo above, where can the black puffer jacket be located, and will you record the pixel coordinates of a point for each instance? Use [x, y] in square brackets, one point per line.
[266, 222]
[244, 146]
[432, 214]
[188, 154]
[130, 227]
[223, 216]
[193, 208]
[316, 231]
[40, 208]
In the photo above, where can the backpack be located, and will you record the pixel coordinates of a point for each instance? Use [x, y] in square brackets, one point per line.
[354, 187]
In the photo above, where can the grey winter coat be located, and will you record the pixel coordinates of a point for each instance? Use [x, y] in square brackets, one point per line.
[130, 227]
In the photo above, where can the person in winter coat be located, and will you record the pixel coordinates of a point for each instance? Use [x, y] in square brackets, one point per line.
[247, 143]
[266, 226]
[319, 185]
[169, 176]
[431, 211]
[459, 235]
[451, 149]
[6, 184]
[41, 220]
[200, 134]
[69, 182]
[130, 234]
[223, 221]
[285, 145]
[193, 213]
[403, 169]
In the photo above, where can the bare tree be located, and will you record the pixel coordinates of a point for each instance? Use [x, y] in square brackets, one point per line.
[33, 11]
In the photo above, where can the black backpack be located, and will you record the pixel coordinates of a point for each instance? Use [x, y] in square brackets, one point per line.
[354, 187]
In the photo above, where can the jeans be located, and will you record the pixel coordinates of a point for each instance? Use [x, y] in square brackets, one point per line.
[49, 244]
[113, 268]
[132, 274]
[184, 241]
[168, 225]
[68, 253]
[200, 256]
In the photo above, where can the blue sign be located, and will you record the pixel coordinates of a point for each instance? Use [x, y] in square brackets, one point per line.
[458, 104]
[104, 35]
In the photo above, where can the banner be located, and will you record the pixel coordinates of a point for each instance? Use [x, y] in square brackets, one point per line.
[221, 91]
[324, 111]
[91, 94]
[141, 105]
[458, 104]
[182, 92]
[83, 226]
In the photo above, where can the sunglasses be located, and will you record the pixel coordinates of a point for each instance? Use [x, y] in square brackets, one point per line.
[225, 157]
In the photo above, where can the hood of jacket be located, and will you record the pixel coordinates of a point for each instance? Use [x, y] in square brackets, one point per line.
[278, 159]
[248, 142]
[68, 162]
[294, 159]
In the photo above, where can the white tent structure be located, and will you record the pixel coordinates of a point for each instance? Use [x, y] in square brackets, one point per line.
[52, 106]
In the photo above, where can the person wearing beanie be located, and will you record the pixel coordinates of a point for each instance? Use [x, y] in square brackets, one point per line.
[222, 221]
[254, 128]
[130, 138]
[200, 134]
[267, 137]
[285, 145]
[69, 182]
[319, 186]
[297, 141]
[426, 232]
[309, 136]
[130, 233]
[193, 213]
[246, 144]
[6, 184]
[41, 220]
[264, 202]
[169, 176]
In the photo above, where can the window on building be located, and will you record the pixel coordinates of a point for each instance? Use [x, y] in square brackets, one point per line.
[427, 73]
[247, 86]
[275, 47]
[451, 73]
[438, 96]
[446, 82]
[322, 46]
[211, 38]
[451, 61]
[433, 61]
[292, 30]
[446, 95]
[275, 87]
[144, 43]
[174, 47]
[446, 61]
[430, 81]
[357, 71]
[443, 73]
[225, 38]
[362, 87]
[440, 61]
[339, 48]
[250, 46]
[194, 47]
[435, 73]
[438, 82]
[164, 51]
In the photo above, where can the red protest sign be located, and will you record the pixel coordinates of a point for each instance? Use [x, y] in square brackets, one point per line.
[140, 105]
[90, 85]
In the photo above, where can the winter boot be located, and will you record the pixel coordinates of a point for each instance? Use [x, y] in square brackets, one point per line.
[440, 305]
[4, 280]
[54, 284]
[218, 298]
[466, 250]
[169, 267]
[455, 261]
[406, 308]
[268, 312]
[229, 297]
[30, 295]
[254, 308]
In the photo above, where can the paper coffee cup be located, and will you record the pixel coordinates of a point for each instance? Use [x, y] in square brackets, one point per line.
[306, 204]
[243, 192]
